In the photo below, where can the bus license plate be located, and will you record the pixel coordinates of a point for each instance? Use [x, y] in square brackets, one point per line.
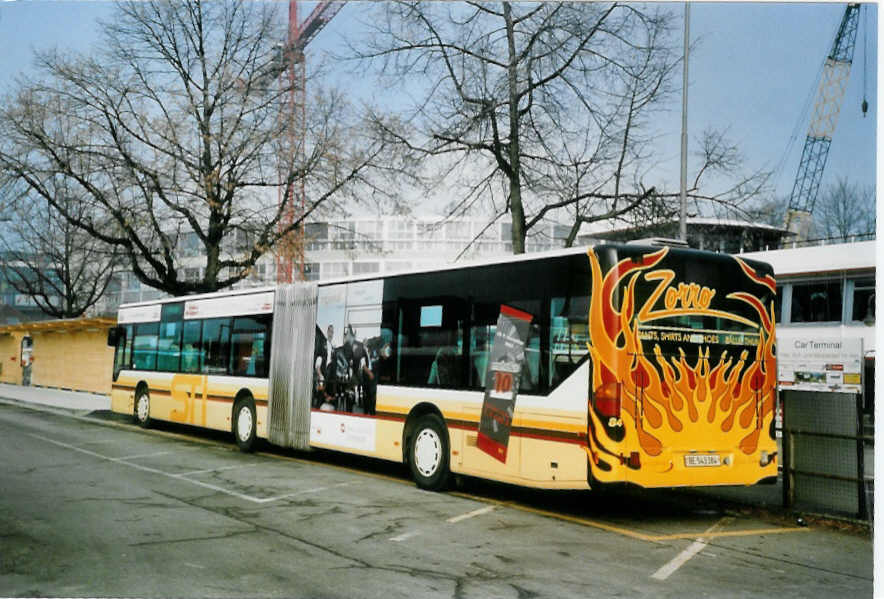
[694, 460]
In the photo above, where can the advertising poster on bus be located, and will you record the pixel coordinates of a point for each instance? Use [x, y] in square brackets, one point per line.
[502, 380]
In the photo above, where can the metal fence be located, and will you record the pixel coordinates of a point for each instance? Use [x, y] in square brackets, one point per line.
[828, 447]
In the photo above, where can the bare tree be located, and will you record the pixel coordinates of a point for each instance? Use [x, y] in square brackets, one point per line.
[61, 268]
[547, 110]
[179, 127]
[845, 209]
[527, 99]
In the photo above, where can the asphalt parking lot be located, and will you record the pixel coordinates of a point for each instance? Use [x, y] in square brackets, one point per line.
[93, 506]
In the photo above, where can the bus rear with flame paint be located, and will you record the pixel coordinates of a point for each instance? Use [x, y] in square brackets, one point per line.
[683, 368]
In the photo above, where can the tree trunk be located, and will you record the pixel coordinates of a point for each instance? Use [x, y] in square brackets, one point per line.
[517, 210]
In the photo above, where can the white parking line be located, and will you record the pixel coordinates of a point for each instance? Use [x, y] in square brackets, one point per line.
[296, 493]
[472, 514]
[413, 533]
[143, 455]
[693, 549]
[207, 470]
[182, 478]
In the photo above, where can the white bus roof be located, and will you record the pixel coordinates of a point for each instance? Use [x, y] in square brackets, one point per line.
[224, 293]
[502, 259]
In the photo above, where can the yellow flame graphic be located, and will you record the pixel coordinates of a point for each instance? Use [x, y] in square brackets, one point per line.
[675, 402]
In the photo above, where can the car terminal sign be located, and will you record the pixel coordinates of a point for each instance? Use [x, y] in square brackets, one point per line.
[820, 364]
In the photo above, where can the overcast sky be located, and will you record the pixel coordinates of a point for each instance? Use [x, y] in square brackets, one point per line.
[753, 71]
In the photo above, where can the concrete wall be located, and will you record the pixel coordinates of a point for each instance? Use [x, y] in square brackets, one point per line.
[79, 360]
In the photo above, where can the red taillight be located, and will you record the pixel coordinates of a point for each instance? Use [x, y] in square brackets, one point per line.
[635, 460]
[607, 400]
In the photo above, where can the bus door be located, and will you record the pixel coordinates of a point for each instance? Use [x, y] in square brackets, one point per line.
[290, 388]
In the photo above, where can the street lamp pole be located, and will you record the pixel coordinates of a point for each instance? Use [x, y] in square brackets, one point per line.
[683, 212]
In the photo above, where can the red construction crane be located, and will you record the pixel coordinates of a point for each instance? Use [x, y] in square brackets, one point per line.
[291, 247]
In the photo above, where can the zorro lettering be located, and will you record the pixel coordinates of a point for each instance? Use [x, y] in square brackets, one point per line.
[689, 296]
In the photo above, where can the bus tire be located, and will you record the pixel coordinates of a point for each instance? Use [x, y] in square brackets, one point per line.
[428, 453]
[142, 408]
[244, 423]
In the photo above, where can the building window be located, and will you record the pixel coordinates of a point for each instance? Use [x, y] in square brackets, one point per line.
[258, 272]
[778, 304]
[506, 232]
[192, 275]
[400, 229]
[457, 230]
[316, 231]
[816, 302]
[131, 282]
[370, 229]
[429, 232]
[236, 241]
[316, 236]
[311, 271]
[864, 300]
[189, 245]
[366, 268]
[397, 266]
[332, 270]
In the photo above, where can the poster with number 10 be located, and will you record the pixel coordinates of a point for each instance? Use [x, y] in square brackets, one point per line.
[502, 381]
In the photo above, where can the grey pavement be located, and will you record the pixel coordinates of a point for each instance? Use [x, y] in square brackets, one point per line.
[125, 513]
[767, 496]
[70, 401]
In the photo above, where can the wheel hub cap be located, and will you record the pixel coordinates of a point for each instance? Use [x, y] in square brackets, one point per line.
[244, 423]
[142, 407]
[427, 452]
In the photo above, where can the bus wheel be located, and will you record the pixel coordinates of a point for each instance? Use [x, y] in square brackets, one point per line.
[428, 453]
[142, 408]
[244, 423]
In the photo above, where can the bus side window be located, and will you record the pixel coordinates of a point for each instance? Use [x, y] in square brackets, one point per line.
[569, 335]
[481, 337]
[430, 351]
[127, 350]
[388, 346]
[123, 342]
[144, 346]
[247, 346]
[190, 343]
[169, 344]
[215, 346]
[484, 326]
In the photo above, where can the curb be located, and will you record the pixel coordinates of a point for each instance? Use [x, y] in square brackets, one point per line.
[45, 407]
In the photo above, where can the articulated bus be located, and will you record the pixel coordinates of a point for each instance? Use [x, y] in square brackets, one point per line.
[647, 365]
